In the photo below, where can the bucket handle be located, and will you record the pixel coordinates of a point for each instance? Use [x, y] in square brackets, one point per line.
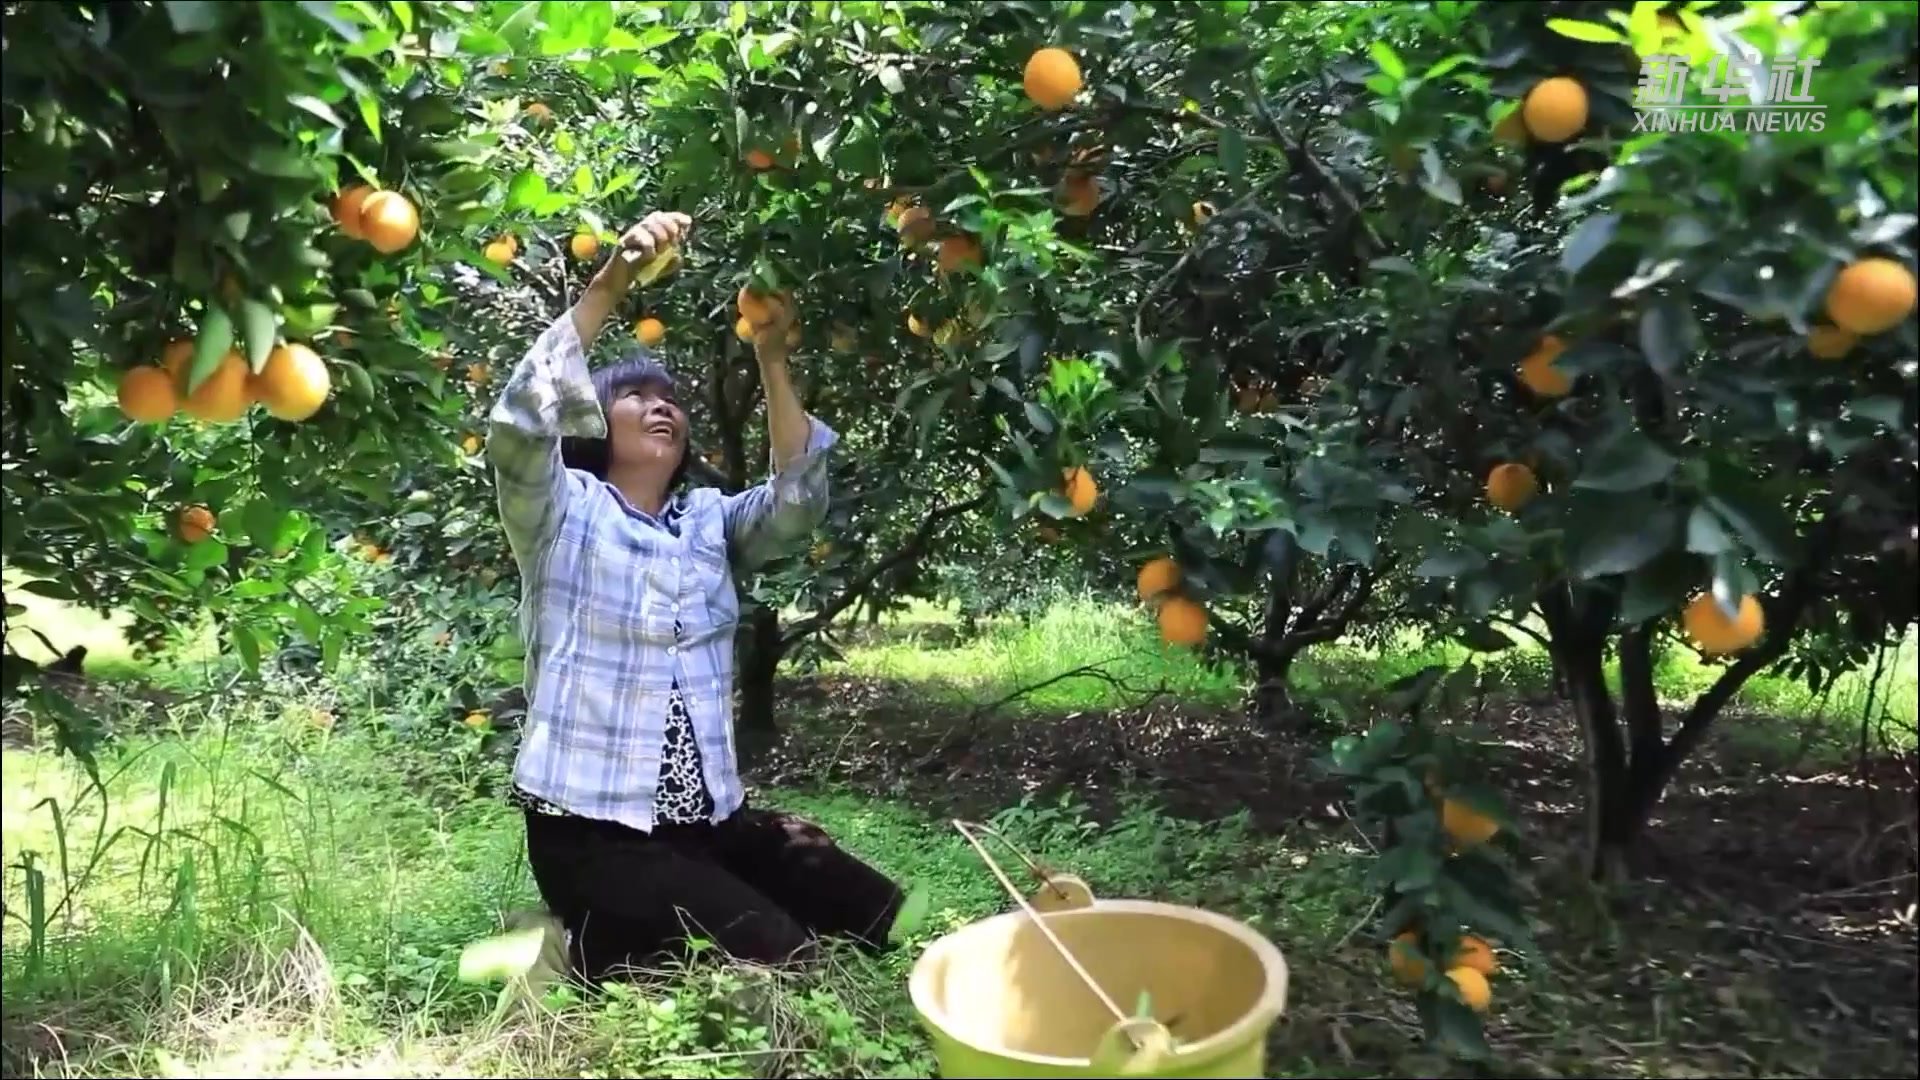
[966, 830]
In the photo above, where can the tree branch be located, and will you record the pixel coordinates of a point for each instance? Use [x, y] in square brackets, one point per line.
[912, 549]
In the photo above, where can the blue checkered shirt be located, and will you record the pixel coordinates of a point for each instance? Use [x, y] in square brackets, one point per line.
[603, 585]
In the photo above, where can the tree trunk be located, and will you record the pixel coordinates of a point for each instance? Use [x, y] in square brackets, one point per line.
[1273, 698]
[760, 652]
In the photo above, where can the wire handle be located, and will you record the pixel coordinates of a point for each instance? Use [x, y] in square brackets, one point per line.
[966, 830]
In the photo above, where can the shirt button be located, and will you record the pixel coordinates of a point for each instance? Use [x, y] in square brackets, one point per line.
[671, 649]
[674, 562]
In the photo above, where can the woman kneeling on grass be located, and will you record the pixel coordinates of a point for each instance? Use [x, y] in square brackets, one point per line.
[638, 831]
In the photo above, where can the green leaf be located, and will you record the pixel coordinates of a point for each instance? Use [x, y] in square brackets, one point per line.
[1658, 588]
[1629, 461]
[890, 79]
[212, 344]
[1617, 539]
[1481, 637]
[258, 328]
[1389, 61]
[262, 519]
[193, 16]
[913, 912]
[247, 642]
[1233, 152]
[1763, 523]
[370, 114]
[318, 108]
[1705, 534]
[1668, 335]
[1586, 31]
[583, 180]
[526, 191]
[206, 554]
[1588, 241]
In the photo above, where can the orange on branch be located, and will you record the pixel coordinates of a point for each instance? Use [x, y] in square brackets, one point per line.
[1079, 194]
[584, 246]
[1078, 486]
[1157, 576]
[743, 329]
[1403, 957]
[470, 444]
[1475, 953]
[539, 112]
[1871, 296]
[916, 327]
[649, 331]
[195, 523]
[347, 207]
[498, 252]
[1540, 375]
[389, 221]
[1182, 621]
[1051, 78]
[1472, 986]
[1830, 342]
[916, 226]
[294, 383]
[959, 252]
[1555, 109]
[146, 395]
[1511, 128]
[177, 360]
[1466, 826]
[760, 308]
[758, 160]
[224, 395]
[1511, 486]
[1715, 632]
[477, 374]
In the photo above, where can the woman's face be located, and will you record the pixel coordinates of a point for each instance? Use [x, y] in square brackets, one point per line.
[645, 425]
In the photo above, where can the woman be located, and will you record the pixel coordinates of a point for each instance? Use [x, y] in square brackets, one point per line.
[638, 831]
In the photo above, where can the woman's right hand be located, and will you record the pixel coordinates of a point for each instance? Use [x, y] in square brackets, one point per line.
[655, 232]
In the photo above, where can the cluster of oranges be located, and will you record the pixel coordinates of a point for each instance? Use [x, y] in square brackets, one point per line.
[1183, 621]
[292, 385]
[386, 220]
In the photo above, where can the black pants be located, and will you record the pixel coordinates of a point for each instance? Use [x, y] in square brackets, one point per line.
[760, 884]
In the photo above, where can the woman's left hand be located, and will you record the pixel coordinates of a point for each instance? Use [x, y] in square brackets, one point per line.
[770, 337]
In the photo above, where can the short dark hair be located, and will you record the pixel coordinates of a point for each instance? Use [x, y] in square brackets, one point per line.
[637, 368]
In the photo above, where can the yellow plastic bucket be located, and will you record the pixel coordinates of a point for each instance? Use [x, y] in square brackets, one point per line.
[1004, 998]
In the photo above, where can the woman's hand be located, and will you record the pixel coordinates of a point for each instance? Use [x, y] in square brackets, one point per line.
[770, 337]
[656, 231]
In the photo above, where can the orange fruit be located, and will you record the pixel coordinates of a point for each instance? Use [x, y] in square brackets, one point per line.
[1511, 486]
[147, 395]
[1871, 296]
[959, 252]
[916, 226]
[1051, 78]
[196, 523]
[539, 112]
[1555, 109]
[475, 720]
[470, 445]
[389, 221]
[1203, 212]
[844, 338]
[584, 246]
[1403, 956]
[1160, 575]
[759, 160]
[1475, 953]
[224, 396]
[743, 329]
[1715, 633]
[1512, 128]
[294, 383]
[346, 209]
[1539, 374]
[1465, 825]
[916, 327]
[760, 308]
[1830, 342]
[1472, 986]
[1079, 194]
[650, 331]
[499, 252]
[477, 374]
[177, 359]
[1078, 486]
[1182, 621]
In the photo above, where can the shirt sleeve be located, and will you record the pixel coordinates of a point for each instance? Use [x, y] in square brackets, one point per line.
[765, 520]
[548, 397]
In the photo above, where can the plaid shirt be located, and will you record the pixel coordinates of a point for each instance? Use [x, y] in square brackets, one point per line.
[603, 586]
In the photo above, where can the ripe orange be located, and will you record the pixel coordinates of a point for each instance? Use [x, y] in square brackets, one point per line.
[147, 395]
[477, 374]
[470, 445]
[916, 327]
[759, 160]
[539, 112]
[389, 221]
[1158, 576]
[196, 523]
[761, 308]
[1203, 212]
[1829, 342]
[1079, 194]
[475, 720]
[584, 246]
[1715, 633]
[1539, 374]
[1465, 825]
[499, 252]
[1472, 986]
[650, 331]
[224, 396]
[177, 359]
[959, 252]
[1475, 953]
[1511, 486]
[1403, 956]
[294, 383]
[346, 209]
[743, 329]
[1871, 296]
[1051, 78]
[1555, 109]
[1182, 621]
[1078, 486]
[916, 226]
